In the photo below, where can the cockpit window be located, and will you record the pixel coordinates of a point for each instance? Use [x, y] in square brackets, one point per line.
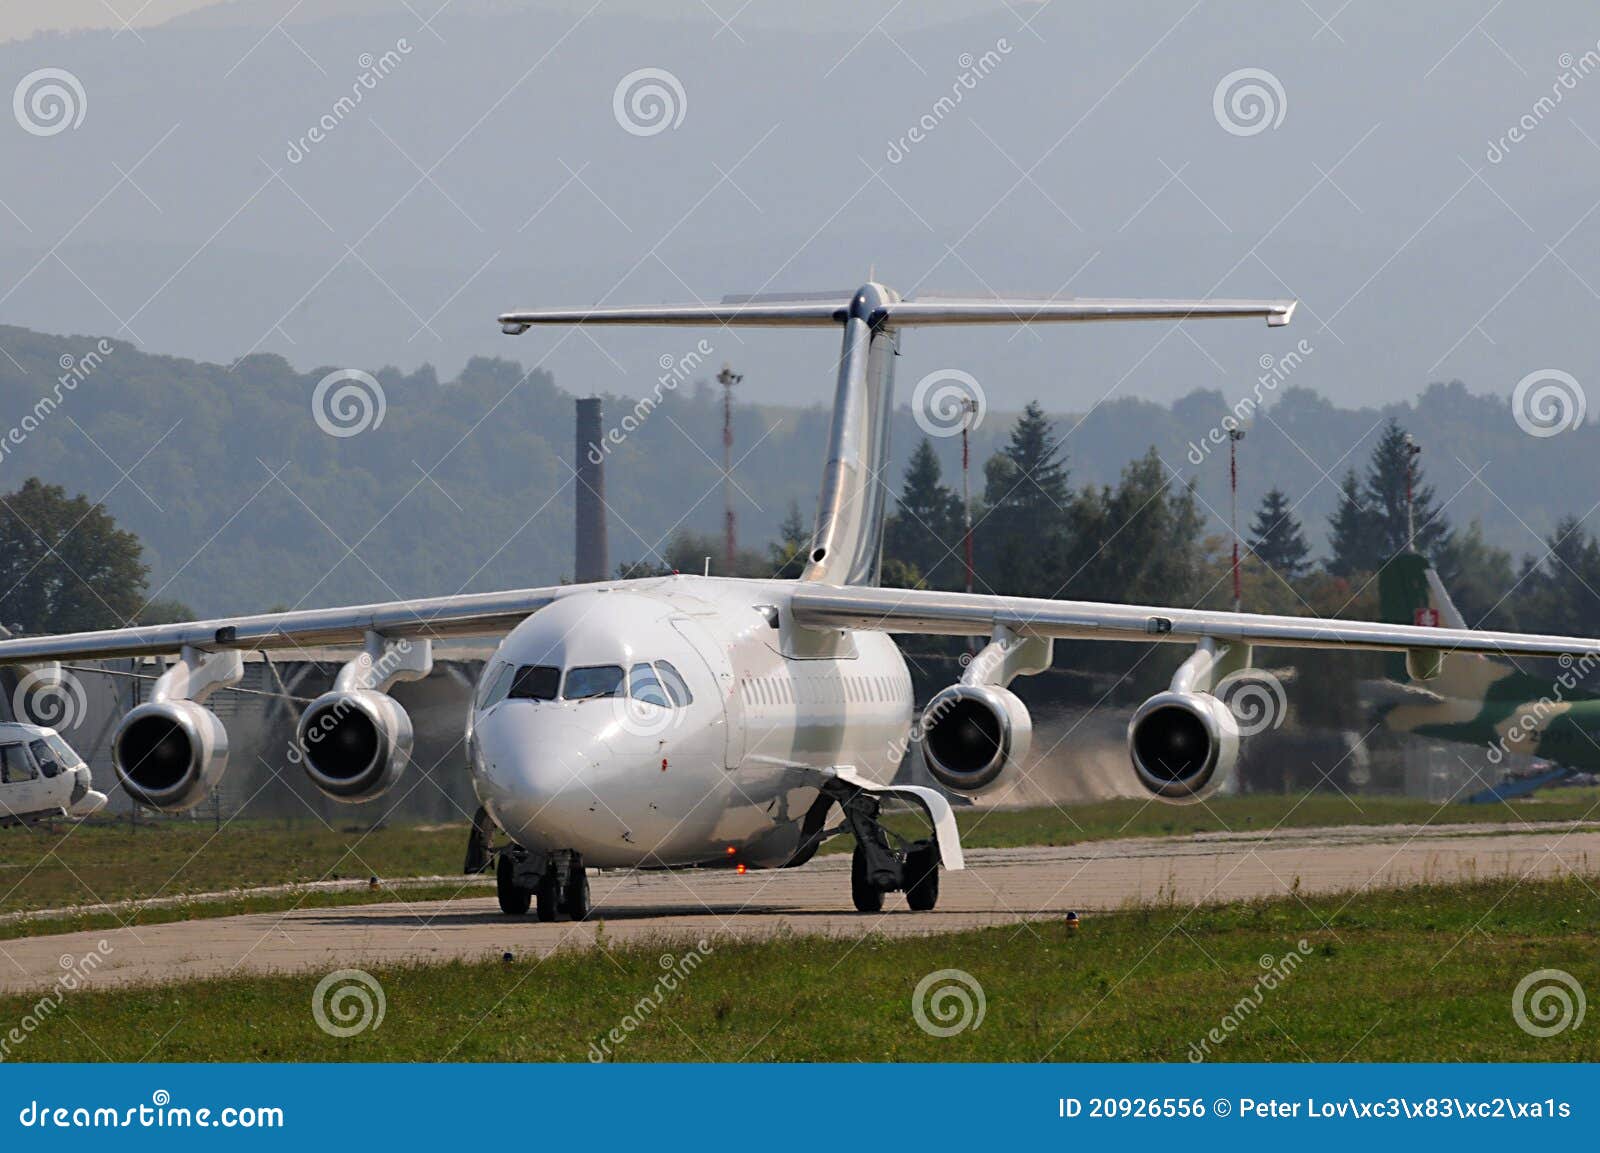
[496, 682]
[46, 757]
[64, 752]
[674, 684]
[643, 685]
[535, 683]
[593, 681]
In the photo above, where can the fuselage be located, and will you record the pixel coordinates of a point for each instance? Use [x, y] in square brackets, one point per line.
[679, 721]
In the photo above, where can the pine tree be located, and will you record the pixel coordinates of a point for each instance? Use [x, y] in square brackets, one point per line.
[788, 554]
[1385, 499]
[1353, 538]
[1276, 537]
[924, 534]
[1024, 526]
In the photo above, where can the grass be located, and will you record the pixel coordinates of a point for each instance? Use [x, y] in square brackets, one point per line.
[1105, 820]
[1418, 974]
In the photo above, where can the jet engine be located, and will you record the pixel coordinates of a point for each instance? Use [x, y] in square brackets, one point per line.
[971, 734]
[354, 743]
[169, 754]
[1183, 744]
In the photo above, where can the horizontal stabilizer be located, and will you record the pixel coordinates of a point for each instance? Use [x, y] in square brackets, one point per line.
[821, 310]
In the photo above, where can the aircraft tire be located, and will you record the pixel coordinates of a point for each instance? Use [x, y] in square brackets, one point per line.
[922, 878]
[575, 899]
[868, 897]
[514, 899]
[547, 897]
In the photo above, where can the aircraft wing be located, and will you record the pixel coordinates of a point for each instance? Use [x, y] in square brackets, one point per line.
[967, 614]
[473, 614]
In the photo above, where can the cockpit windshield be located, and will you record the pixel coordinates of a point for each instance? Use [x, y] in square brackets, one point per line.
[591, 681]
[657, 683]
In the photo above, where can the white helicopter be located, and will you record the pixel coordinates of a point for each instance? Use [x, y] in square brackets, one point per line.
[42, 777]
[691, 721]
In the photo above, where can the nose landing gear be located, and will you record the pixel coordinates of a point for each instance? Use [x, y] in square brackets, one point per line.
[553, 884]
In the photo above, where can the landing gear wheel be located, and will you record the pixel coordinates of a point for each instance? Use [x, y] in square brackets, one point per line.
[514, 899]
[922, 878]
[867, 896]
[575, 895]
[547, 896]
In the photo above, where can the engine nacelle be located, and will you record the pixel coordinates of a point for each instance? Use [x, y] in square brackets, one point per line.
[170, 754]
[972, 734]
[1183, 745]
[354, 743]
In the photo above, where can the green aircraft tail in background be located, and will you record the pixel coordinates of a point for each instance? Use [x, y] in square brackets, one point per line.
[1539, 710]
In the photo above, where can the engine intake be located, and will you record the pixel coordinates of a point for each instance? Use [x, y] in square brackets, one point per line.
[354, 743]
[1183, 745]
[170, 754]
[972, 734]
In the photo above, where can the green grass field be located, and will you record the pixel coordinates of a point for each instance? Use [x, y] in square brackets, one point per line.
[1420, 974]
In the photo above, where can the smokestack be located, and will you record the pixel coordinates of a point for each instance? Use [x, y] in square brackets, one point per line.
[591, 561]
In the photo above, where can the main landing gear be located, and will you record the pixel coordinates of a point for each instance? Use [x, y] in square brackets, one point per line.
[879, 867]
[552, 884]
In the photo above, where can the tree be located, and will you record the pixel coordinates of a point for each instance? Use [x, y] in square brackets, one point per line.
[1022, 532]
[64, 564]
[924, 534]
[1276, 537]
[1393, 461]
[788, 554]
[1353, 539]
[1480, 581]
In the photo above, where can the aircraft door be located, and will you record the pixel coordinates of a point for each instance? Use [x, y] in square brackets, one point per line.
[714, 660]
[22, 786]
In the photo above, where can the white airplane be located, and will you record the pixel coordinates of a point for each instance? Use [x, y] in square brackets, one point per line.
[41, 776]
[701, 721]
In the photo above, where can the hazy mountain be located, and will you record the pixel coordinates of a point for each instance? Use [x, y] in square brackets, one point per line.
[244, 501]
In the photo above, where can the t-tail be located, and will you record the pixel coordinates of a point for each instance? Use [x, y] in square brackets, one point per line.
[847, 542]
[1411, 593]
